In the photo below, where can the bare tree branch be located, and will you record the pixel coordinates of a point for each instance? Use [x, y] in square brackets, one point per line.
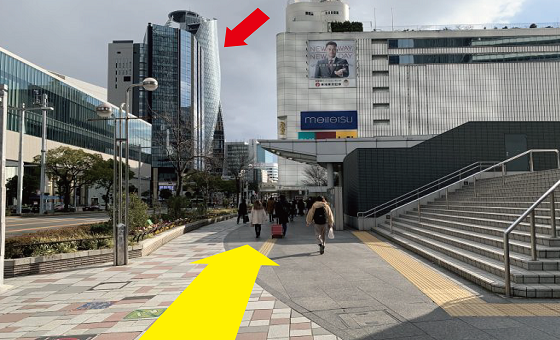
[315, 175]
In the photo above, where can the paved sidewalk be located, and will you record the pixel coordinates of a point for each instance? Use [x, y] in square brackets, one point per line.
[106, 302]
[355, 293]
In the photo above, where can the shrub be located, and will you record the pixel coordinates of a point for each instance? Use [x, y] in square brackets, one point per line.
[63, 240]
[137, 213]
[176, 207]
[347, 26]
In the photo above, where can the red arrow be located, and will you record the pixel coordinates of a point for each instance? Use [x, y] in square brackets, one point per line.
[237, 36]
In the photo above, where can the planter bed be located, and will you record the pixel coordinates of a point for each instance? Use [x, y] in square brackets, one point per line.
[60, 262]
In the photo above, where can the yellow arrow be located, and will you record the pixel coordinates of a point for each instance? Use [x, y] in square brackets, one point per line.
[212, 306]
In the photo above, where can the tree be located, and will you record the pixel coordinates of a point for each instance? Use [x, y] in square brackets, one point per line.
[165, 194]
[175, 137]
[31, 183]
[315, 175]
[347, 26]
[101, 174]
[234, 170]
[68, 166]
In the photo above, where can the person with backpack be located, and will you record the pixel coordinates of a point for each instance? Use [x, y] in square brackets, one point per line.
[282, 211]
[321, 215]
[258, 217]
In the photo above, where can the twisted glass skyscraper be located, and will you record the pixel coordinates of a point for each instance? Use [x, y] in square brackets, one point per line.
[206, 33]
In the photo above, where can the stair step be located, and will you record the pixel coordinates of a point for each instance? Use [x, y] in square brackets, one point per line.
[539, 219]
[518, 275]
[490, 209]
[521, 233]
[480, 277]
[486, 245]
[491, 204]
[482, 221]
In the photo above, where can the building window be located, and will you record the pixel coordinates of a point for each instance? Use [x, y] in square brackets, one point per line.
[126, 78]
[381, 122]
[309, 13]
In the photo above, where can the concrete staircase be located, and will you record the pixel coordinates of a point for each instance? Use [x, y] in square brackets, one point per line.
[466, 236]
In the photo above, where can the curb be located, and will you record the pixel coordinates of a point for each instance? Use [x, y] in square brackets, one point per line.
[62, 262]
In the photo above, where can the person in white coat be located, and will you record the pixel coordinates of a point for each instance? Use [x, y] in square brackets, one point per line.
[258, 217]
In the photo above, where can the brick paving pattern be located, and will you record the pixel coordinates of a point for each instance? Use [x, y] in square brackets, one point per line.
[101, 300]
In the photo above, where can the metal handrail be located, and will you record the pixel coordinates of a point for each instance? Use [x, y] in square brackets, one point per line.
[523, 216]
[531, 210]
[416, 192]
[499, 165]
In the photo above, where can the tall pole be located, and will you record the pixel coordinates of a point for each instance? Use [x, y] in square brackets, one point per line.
[115, 198]
[43, 157]
[120, 170]
[20, 160]
[139, 170]
[127, 176]
[3, 118]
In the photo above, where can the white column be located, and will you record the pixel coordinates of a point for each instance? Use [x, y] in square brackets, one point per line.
[3, 118]
[44, 157]
[330, 175]
[20, 160]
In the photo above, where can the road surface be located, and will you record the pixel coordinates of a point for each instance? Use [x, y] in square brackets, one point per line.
[16, 225]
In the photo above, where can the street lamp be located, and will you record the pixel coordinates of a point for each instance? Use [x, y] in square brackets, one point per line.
[120, 231]
[3, 119]
[20, 156]
[149, 84]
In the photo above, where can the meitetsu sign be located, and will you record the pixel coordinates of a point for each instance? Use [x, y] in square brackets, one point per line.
[329, 120]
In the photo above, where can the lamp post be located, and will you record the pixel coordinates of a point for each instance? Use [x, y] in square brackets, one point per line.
[120, 230]
[3, 118]
[149, 84]
[20, 156]
[44, 108]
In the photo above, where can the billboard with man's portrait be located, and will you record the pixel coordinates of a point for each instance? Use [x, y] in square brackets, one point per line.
[331, 63]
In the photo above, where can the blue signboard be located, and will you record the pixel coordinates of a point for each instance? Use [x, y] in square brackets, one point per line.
[329, 120]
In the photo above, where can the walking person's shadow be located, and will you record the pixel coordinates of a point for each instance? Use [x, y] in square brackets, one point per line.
[315, 253]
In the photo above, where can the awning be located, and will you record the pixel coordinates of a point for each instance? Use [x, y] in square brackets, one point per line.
[312, 151]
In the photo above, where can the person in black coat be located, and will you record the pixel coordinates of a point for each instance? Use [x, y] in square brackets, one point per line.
[309, 203]
[282, 210]
[301, 206]
[293, 210]
[242, 211]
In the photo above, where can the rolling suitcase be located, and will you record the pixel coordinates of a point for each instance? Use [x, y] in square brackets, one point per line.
[277, 231]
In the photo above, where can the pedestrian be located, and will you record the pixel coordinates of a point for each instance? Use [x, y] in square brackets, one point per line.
[301, 206]
[309, 203]
[293, 210]
[270, 209]
[322, 217]
[258, 216]
[282, 211]
[242, 212]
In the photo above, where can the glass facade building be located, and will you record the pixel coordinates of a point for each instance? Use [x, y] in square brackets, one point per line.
[175, 58]
[206, 32]
[73, 108]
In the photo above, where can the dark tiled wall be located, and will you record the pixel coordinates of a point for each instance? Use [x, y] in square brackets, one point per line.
[375, 176]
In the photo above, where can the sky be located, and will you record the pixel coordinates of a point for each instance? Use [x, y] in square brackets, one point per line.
[71, 36]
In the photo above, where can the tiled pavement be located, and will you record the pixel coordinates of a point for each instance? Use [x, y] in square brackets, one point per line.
[361, 293]
[121, 302]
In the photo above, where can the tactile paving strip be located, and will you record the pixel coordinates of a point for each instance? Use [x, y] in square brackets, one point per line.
[454, 299]
[267, 246]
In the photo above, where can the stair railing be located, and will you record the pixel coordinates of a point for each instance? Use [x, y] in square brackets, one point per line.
[395, 202]
[531, 211]
[473, 177]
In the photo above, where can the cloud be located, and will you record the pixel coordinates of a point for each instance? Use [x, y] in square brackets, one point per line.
[73, 40]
